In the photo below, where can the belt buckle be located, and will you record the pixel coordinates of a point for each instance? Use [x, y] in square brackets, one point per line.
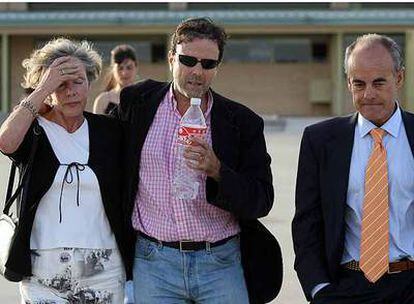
[185, 250]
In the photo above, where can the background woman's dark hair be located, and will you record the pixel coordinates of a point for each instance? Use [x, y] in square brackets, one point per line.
[199, 28]
[118, 55]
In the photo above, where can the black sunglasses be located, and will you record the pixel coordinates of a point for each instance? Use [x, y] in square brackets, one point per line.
[191, 61]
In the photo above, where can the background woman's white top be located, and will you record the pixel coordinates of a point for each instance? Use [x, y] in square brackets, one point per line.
[71, 213]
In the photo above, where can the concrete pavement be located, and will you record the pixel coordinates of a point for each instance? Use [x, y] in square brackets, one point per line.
[283, 138]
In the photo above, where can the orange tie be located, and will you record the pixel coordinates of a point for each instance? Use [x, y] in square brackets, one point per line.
[374, 257]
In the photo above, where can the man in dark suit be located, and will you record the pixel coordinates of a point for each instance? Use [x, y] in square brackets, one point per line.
[353, 230]
[198, 250]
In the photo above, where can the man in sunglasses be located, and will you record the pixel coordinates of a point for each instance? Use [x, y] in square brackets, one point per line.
[188, 251]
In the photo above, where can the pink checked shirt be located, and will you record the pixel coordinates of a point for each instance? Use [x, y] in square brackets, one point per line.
[157, 212]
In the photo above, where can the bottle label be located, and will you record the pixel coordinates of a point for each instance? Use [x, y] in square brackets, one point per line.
[184, 133]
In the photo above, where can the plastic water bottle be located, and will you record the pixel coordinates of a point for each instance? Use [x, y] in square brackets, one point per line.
[186, 181]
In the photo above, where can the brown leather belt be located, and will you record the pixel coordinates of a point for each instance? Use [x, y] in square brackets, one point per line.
[394, 267]
[188, 246]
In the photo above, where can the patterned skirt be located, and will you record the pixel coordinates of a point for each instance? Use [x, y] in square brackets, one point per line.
[74, 276]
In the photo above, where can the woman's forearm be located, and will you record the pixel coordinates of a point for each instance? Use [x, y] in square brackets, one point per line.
[14, 128]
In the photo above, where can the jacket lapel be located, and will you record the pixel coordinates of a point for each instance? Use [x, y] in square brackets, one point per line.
[145, 112]
[143, 115]
[336, 163]
[225, 135]
[408, 120]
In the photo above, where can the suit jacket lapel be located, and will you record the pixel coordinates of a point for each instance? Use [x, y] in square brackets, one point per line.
[408, 120]
[145, 112]
[225, 135]
[337, 162]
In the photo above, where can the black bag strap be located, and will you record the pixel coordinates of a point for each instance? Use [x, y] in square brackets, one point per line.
[24, 177]
[10, 184]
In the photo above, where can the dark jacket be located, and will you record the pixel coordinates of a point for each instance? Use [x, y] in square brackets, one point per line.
[321, 189]
[106, 141]
[245, 188]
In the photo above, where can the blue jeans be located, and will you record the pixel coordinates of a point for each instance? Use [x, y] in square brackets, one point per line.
[129, 292]
[167, 275]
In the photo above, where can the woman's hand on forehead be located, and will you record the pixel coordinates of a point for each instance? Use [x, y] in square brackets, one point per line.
[62, 69]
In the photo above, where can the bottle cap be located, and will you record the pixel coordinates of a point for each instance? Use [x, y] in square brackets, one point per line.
[195, 101]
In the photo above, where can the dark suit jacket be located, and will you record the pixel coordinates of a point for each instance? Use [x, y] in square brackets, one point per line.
[318, 227]
[245, 188]
[105, 159]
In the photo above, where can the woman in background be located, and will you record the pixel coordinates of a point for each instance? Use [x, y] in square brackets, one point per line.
[124, 67]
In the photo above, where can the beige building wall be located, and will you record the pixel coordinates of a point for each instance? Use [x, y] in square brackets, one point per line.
[270, 89]
[276, 89]
[273, 89]
[156, 71]
[20, 48]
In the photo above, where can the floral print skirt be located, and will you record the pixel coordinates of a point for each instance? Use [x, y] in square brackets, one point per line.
[74, 276]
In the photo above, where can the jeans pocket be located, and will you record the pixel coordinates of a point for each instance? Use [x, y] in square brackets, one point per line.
[145, 249]
[226, 254]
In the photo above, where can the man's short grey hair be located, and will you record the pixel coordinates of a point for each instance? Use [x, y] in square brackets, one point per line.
[372, 39]
[42, 58]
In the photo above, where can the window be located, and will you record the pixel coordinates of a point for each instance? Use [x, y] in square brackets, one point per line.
[143, 49]
[398, 38]
[148, 51]
[319, 51]
[292, 50]
[158, 52]
[283, 49]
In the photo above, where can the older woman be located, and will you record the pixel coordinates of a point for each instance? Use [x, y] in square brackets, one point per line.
[71, 242]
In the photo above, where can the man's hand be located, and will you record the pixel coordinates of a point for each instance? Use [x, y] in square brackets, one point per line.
[200, 156]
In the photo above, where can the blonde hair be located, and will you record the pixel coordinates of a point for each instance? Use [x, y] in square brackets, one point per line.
[42, 58]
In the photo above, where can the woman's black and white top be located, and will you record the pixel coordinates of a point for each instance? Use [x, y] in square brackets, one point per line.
[71, 213]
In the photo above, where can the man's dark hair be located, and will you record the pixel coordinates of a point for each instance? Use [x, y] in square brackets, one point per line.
[122, 52]
[199, 28]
